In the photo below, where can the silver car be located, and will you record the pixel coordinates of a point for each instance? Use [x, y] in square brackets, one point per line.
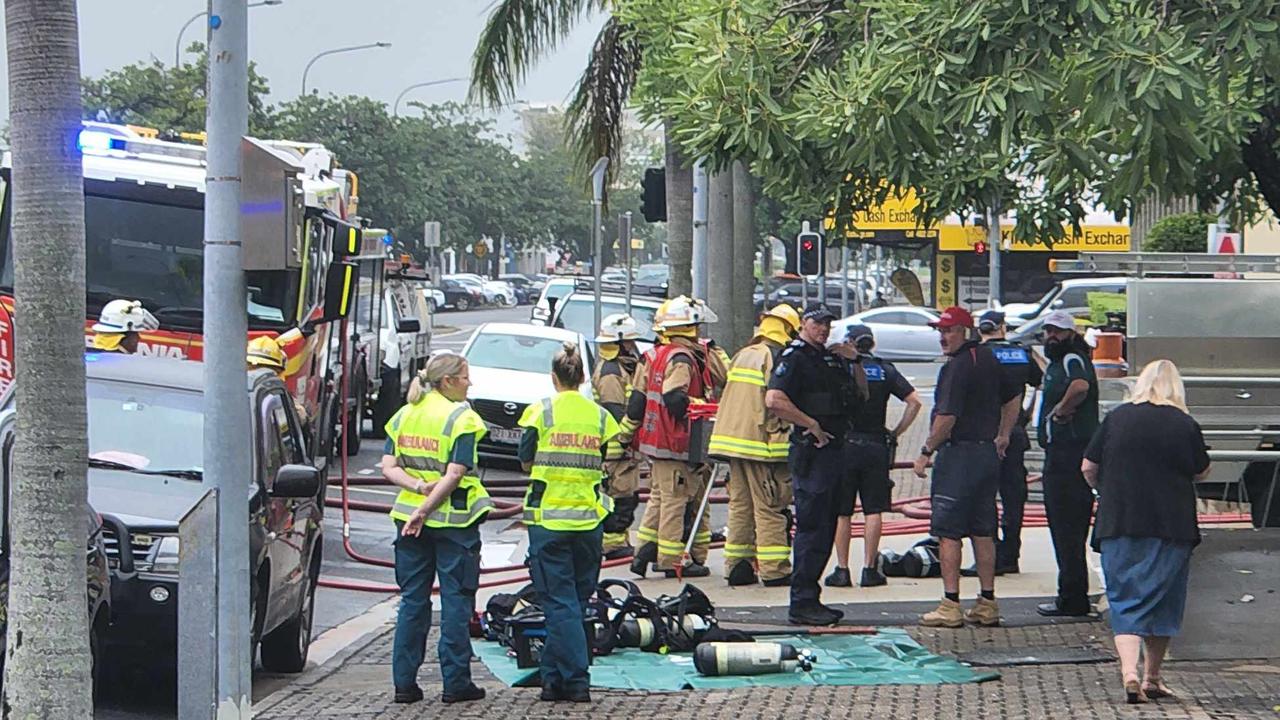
[902, 331]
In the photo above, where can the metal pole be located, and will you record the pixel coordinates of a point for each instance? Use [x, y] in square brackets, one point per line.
[597, 234]
[227, 426]
[700, 198]
[177, 46]
[335, 51]
[844, 278]
[415, 86]
[993, 249]
[624, 238]
[862, 271]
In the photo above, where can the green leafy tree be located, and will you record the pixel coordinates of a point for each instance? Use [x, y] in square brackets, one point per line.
[170, 99]
[1042, 108]
[1185, 233]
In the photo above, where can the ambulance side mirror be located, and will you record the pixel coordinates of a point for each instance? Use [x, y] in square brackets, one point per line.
[340, 283]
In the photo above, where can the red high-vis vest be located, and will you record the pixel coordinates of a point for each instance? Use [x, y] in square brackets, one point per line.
[661, 436]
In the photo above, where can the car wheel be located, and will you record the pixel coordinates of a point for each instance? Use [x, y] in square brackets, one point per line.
[355, 421]
[388, 401]
[463, 304]
[285, 649]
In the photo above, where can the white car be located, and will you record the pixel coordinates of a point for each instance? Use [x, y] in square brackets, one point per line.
[577, 313]
[435, 299]
[495, 292]
[902, 331]
[552, 292]
[510, 367]
[1070, 295]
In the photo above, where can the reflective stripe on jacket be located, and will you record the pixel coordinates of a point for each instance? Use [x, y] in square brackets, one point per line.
[744, 427]
[423, 435]
[565, 493]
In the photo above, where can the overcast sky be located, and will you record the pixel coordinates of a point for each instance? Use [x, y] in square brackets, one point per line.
[431, 39]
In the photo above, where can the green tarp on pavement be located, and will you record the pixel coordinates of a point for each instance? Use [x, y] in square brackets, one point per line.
[890, 657]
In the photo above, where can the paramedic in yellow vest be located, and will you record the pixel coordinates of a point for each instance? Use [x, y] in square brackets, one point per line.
[756, 443]
[611, 382]
[431, 456]
[119, 325]
[680, 371]
[563, 451]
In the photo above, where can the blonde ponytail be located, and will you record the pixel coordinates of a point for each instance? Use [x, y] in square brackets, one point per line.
[439, 367]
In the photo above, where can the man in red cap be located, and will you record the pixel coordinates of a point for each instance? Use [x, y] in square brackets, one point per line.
[970, 421]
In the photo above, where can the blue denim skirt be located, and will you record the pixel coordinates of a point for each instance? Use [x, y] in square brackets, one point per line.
[1146, 584]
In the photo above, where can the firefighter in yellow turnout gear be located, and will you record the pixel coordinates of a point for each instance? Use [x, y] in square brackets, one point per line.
[611, 383]
[680, 371]
[756, 442]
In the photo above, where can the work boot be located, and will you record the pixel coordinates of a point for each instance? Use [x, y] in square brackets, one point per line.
[692, 570]
[783, 581]
[984, 612]
[1053, 609]
[549, 694]
[1006, 567]
[742, 574]
[947, 614]
[581, 695]
[407, 695]
[839, 578]
[816, 614]
[619, 553]
[647, 553]
[872, 577]
[466, 695]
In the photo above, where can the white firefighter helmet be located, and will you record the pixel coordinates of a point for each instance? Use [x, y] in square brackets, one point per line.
[125, 316]
[682, 311]
[618, 327]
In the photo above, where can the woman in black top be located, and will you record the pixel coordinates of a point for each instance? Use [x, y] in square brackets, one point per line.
[1144, 461]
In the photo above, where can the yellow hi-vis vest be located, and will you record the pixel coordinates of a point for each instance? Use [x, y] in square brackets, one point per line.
[424, 435]
[565, 493]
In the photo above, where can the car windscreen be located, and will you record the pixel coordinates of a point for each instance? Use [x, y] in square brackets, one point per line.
[145, 426]
[559, 290]
[579, 315]
[503, 351]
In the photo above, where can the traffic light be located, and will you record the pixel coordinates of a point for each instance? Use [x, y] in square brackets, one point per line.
[809, 254]
[653, 195]
[980, 247]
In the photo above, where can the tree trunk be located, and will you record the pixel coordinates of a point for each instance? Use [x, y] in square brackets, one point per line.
[720, 256]
[1262, 157]
[744, 256]
[47, 669]
[679, 181]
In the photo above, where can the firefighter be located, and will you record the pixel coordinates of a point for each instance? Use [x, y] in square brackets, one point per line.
[680, 371]
[266, 352]
[431, 456]
[755, 442]
[563, 451]
[611, 383]
[118, 327]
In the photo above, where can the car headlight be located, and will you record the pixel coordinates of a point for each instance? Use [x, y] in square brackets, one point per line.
[166, 557]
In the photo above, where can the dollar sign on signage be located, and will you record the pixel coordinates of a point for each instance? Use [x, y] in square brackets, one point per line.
[945, 285]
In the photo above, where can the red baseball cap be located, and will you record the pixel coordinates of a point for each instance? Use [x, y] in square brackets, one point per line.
[953, 317]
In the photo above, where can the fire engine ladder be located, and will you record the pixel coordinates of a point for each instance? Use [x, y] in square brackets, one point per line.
[1141, 264]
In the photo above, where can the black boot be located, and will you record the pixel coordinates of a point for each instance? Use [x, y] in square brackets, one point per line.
[645, 554]
[742, 574]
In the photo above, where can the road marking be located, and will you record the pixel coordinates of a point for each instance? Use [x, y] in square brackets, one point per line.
[336, 639]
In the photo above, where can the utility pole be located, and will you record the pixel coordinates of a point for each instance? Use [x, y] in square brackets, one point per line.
[720, 247]
[993, 251]
[624, 239]
[226, 427]
[597, 227]
[741, 308]
[844, 277]
[700, 190]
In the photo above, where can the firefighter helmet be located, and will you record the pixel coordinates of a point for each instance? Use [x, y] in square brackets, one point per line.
[125, 316]
[682, 311]
[265, 352]
[618, 327]
[786, 314]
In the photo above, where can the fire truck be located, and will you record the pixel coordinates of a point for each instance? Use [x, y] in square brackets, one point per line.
[144, 235]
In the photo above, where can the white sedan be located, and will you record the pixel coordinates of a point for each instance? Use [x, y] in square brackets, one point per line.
[510, 367]
[902, 331]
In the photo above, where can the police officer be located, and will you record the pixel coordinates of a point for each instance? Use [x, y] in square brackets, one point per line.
[754, 441]
[611, 383]
[562, 449]
[870, 449]
[816, 391]
[431, 456]
[1020, 369]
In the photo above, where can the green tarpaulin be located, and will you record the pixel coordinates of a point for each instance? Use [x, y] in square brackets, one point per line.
[889, 657]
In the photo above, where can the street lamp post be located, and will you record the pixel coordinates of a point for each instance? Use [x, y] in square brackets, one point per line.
[415, 86]
[177, 47]
[335, 51]
[597, 232]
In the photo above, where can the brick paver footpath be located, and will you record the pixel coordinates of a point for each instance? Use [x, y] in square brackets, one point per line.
[358, 686]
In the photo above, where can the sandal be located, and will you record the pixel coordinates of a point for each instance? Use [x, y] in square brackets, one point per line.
[1154, 688]
[1133, 692]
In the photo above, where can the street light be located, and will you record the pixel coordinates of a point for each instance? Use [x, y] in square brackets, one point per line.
[335, 51]
[415, 86]
[177, 47]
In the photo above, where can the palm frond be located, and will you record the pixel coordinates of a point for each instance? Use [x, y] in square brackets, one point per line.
[518, 34]
[595, 117]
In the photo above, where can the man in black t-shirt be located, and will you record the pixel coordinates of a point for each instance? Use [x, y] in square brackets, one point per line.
[869, 451]
[973, 415]
[817, 391]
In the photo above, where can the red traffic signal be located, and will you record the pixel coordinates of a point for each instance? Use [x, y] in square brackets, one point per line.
[807, 244]
[980, 247]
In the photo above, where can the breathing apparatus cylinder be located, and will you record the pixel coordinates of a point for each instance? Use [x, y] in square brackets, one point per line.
[640, 632]
[759, 658]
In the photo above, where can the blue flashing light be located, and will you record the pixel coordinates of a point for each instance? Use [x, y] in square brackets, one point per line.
[388, 240]
[215, 21]
[92, 141]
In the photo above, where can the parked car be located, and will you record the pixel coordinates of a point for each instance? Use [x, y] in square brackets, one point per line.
[556, 288]
[792, 291]
[1070, 295]
[435, 299]
[510, 367]
[527, 290]
[146, 420]
[460, 296]
[97, 571]
[902, 331]
[496, 292]
[577, 313]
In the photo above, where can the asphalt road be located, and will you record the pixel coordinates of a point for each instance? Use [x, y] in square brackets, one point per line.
[339, 612]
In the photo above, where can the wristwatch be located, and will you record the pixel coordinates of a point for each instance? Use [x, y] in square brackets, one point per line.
[925, 451]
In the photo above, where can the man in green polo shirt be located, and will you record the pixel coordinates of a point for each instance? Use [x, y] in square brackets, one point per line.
[1068, 417]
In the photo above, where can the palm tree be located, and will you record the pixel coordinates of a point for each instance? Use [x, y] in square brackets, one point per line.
[521, 32]
[48, 667]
